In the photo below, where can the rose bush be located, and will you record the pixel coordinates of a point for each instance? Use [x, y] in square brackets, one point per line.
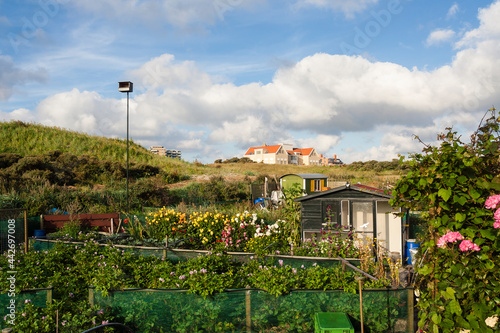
[453, 184]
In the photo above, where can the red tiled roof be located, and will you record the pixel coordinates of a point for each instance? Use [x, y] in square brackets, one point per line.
[371, 188]
[270, 149]
[303, 151]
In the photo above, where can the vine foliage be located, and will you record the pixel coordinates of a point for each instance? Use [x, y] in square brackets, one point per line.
[458, 282]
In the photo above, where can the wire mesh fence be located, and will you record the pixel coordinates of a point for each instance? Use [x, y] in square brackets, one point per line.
[12, 303]
[254, 310]
[16, 227]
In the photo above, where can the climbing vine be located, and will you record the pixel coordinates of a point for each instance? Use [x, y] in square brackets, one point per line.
[458, 283]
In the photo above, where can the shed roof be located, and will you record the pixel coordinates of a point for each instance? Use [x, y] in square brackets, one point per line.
[307, 175]
[356, 187]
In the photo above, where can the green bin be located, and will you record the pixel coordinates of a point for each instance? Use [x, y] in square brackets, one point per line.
[332, 322]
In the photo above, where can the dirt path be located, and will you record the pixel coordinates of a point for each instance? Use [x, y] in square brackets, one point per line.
[206, 178]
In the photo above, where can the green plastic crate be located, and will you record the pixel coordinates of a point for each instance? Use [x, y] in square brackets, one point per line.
[332, 322]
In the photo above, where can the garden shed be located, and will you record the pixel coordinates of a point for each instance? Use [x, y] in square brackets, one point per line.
[364, 209]
[309, 182]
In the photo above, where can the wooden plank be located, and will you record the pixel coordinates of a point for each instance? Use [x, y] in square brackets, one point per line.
[101, 221]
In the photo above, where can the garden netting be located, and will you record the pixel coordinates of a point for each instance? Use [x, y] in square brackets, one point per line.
[159, 310]
[37, 297]
[17, 229]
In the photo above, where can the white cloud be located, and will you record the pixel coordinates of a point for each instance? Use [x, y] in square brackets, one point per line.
[12, 76]
[83, 111]
[349, 8]
[452, 11]
[488, 29]
[439, 36]
[322, 143]
[18, 114]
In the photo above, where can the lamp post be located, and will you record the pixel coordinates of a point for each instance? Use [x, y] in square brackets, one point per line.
[128, 87]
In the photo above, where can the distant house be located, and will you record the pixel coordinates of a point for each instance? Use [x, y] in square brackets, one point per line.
[173, 153]
[158, 150]
[162, 151]
[363, 208]
[283, 154]
[275, 154]
[309, 182]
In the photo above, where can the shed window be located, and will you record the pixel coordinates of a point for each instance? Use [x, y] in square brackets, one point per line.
[317, 185]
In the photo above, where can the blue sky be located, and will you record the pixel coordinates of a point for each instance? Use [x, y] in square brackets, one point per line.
[353, 78]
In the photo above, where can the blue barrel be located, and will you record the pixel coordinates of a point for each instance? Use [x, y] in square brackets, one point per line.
[40, 233]
[411, 244]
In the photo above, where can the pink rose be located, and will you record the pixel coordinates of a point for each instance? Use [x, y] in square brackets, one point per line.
[467, 245]
[453, 236]
[441, 242]
[497, 214]
[496, 225]
[492, 202]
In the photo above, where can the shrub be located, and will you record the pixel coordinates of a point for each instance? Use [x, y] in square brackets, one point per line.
[451, 184]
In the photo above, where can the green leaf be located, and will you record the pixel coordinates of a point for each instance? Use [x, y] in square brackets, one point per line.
[436, 319]
[474, 193]
[488, 233]
[459, 217]
[445, 194]
[460, 199]
[450, 182]
[454, 307]
[489, 264]
[447, 323]
[425, 270]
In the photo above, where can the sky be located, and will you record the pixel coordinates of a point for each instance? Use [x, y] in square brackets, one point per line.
[358, 79]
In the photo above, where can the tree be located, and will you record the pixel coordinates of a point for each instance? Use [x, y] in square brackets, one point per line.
[458, 282]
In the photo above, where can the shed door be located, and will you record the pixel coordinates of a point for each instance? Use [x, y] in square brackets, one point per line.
[363, 219]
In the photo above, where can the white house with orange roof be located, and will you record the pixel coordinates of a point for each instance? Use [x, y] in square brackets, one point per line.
[283, 154]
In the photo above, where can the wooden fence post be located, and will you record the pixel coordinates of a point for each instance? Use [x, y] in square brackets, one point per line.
[248, 307]
[25, 232]
[411, 312]
[49, 295]
[91, 296]
[360, 279]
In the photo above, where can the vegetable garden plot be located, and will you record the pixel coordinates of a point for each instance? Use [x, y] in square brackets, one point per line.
[153, 310]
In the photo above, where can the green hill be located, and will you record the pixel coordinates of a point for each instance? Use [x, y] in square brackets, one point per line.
[34, 139]
[48, 167]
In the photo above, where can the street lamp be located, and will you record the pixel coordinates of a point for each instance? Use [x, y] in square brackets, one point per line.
[128, 87]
